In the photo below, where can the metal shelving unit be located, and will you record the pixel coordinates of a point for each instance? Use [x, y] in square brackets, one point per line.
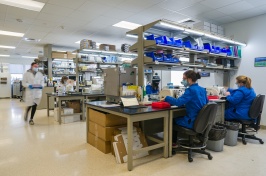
[99, 65]
[170, 29]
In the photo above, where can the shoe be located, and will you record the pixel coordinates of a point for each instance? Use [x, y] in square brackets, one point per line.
[31, 122]
[26, 117]
[174, 145]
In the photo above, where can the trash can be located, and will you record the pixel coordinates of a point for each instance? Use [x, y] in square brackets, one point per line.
[216, 138]
[232, 133]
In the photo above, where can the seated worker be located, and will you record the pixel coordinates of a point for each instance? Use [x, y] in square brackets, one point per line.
[61, 87]
[239, 100]
[154, 87]
[194, 98]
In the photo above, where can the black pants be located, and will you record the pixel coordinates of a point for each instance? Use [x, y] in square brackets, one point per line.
[33, 110]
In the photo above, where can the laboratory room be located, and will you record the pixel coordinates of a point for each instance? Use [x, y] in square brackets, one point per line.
[132, 87]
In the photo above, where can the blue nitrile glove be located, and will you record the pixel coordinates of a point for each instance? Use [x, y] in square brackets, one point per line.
[30, 86]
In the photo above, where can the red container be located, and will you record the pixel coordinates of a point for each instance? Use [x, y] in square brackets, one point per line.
[213, 97]
[160, 105]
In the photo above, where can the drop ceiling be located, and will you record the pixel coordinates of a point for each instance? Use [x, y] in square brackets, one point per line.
[64, 22]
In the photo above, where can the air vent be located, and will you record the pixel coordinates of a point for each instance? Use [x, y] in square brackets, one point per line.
[31, 40]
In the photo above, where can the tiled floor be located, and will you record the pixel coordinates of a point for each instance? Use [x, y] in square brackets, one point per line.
[53, 150]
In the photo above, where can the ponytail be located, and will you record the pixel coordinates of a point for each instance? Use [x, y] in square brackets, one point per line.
[192, 75]
[245, 80]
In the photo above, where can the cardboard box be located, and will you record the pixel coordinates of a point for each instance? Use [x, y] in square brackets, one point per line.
[111, 47]
[70, 55]
[104, 133]
[75, 105]
[70, 119]
[220, 28]
[203, 23]
[106, 120]
[203, 28]
[68, 111]
[214, 26]
[103, 146]
[59, 55]
[221, 32]
[120, 145]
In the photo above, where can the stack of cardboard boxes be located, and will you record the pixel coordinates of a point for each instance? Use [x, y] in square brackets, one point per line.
[208, 27]
[101, 129]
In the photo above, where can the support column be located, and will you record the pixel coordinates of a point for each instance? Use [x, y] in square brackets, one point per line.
[47, 52]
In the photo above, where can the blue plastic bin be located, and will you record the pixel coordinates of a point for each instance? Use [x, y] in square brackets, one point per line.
[179, 43]
[227, 51]
[168, 58]
[208, 46]
[155, 57]
[175, 60]
[188, 44]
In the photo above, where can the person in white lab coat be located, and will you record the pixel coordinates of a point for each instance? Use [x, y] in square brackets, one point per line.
[33, 81]
[61, 87]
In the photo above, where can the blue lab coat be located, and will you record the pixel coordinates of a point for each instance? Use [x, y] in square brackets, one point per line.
[194, 98]
[239, 101]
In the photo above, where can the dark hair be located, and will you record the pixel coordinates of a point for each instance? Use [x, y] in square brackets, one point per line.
[192, 75]
[63, 78]
[245, 80]
[33, 63]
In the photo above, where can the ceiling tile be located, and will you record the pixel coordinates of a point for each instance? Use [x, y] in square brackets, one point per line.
[195, 10]
[247, 14]
[218, 3]
[102, 22]
[236, 7]
[16, 26]
[256, 3]
[35, 34]
[223, 20]
[41, 28]
[68, 3]
[56, 10]
[174, 16]
[137, 5]
[112, 3]
[15, 12]
[212, 14]
[94, 8]
[50, 17]
[3, 10]
[263, 8]
[176, 5]
[45, 23]
[118, 13]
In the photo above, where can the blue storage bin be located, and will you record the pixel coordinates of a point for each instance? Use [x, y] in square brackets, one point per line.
[227, 51]
[188, 44]
[175, 60]
[217, 50]
[208, 46]
[150, 37]
[179, 43]
[155, 57]
[168, 58]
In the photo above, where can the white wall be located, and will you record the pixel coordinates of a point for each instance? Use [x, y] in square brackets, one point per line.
[252, 31]
[10, 60]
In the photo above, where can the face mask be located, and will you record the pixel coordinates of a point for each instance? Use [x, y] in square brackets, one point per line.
[185, 83]
[35, 69]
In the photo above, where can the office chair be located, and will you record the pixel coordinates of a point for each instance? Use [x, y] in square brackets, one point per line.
[198, 136]
[249, 127]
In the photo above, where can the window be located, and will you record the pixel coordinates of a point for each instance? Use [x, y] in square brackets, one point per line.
[176, 77]
[16, 69]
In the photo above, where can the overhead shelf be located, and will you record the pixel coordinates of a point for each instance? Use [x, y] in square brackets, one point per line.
[101, 52]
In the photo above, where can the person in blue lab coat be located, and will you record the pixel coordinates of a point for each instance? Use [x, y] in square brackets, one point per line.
[194, 98]
[239, 100]
[154, 87]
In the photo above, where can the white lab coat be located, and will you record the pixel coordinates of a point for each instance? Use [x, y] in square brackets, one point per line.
[61, 88]
[32, 95]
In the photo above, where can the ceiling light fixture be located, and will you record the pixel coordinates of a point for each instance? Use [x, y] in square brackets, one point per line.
[172, 26]
[31, 40]
[131, 36]
[30, 57]
[127, 25]
[8, 47]
[15, 34]
[1, 55]
[24, 4]
[190, 31]
[212, 36]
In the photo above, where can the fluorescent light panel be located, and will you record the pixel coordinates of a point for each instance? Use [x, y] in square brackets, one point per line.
[30, 57]
[172, 26]
[2, 55]
[127, 25]
[24, 4]
[15, 34]
[8, 47]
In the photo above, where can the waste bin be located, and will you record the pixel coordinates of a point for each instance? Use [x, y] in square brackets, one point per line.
[232, 133]
[216, 138]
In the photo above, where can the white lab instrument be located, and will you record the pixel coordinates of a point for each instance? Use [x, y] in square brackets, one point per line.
[215, 90]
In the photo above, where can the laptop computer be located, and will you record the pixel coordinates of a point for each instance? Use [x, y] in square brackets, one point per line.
[131, 103]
